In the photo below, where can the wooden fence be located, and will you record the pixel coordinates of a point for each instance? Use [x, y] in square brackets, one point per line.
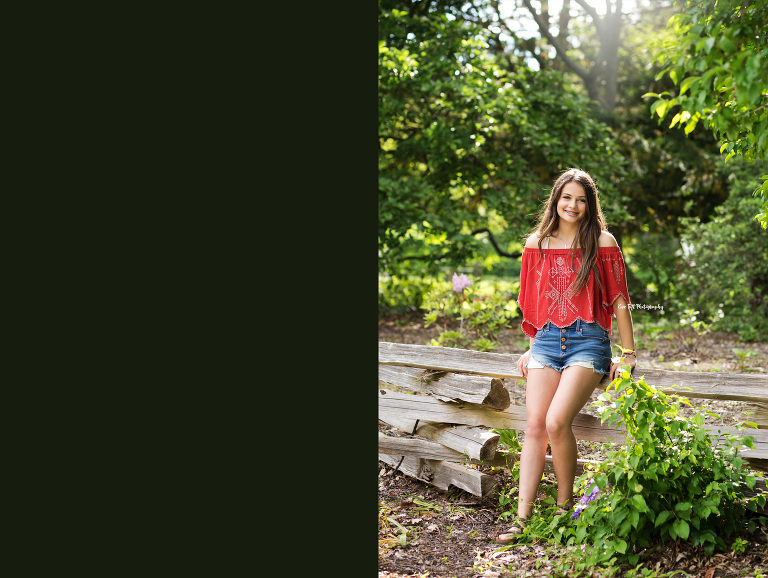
[453, 398]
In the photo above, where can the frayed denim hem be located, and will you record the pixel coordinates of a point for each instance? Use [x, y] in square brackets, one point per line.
[534, 363]
[588, 365]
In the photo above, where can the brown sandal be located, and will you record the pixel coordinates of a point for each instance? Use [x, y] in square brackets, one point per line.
[563, 508]
[512, 531]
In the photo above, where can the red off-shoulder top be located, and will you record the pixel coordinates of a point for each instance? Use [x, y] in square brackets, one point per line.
[545, 288]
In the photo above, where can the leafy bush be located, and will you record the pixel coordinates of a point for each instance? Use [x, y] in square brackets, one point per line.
[481, 317]
[717, 59]
[726, 262]
[398, 294]
[668, 481]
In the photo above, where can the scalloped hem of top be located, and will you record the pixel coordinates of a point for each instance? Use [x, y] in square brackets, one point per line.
[524, 320]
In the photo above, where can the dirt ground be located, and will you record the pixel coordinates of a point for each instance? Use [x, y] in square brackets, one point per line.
[451, 533]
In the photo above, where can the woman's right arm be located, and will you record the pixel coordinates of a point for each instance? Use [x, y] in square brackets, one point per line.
[531, 243]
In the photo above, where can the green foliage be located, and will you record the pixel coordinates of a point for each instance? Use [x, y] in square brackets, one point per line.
[465, 145]
[444, 80]
[668, 481]
[717, 57]
[509, 440]
[743, 355]
[669, 174]
[508, 499]
[693, 328]
[724, 264]
[400, 293]
[653, 259]
[480, 316]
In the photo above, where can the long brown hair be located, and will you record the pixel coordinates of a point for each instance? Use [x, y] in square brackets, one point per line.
[590, 227]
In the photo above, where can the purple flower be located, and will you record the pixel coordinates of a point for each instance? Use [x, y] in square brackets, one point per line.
[585, 500]
[460, 282]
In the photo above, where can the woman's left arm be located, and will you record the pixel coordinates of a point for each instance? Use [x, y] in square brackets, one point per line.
[626, 334]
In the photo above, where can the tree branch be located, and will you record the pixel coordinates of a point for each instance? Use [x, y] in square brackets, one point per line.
[423, 257]
[502, 253]
[587, 75]
[593, 14]
[499, 250]
[565, 18]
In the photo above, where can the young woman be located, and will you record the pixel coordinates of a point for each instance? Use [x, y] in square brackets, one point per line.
[572, 282]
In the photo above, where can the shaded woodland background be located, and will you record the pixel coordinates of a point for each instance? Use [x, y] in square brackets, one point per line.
[482, 104]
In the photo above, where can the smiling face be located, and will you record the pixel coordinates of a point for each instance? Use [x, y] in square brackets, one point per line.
[572, 204]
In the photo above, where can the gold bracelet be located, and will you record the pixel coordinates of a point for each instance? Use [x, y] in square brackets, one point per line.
[631, 352]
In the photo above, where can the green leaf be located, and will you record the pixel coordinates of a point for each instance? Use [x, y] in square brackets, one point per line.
[625, 527]
[687, 82]
[681, 528]
[727, 45]
[581, 533]
[639, 501]
[691, 124]
[656, 105]
[663, 517]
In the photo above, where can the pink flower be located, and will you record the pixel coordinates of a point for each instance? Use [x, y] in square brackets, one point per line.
[460, 282]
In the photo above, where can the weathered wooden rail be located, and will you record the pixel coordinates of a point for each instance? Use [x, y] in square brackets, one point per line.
[453, 398]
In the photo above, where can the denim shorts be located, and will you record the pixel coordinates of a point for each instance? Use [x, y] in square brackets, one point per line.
[580, 343]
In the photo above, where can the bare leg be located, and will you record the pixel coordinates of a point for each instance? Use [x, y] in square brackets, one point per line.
[575, 387]
[541, 389]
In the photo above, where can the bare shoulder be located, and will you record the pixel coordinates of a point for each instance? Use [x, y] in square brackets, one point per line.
[533, 241]
[607, 240]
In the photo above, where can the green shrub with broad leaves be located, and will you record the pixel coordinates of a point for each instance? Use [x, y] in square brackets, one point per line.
[670, 480]
[725, 263]
[481, 317]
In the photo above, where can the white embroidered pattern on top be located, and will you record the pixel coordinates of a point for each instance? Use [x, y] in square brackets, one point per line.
[617, 271]
[560, 292]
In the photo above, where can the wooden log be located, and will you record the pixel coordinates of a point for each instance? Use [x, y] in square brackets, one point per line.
[705, 385]
[501, 365]
[585, 427]
[471, 388]
[758, 414]
[476, 442]
[394, 405]
[425, 407]
[443, 474]
[759, 439]
[413, 447]
[508, 460]
[417, 447]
